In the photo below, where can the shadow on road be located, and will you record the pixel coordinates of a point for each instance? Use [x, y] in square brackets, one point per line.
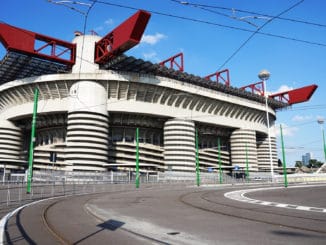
[293, 234]
[111, 225]
[24, 236]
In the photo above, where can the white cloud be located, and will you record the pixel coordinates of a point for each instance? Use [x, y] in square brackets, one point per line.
[151, 56]
[299, 118]
[109, 22]
[287, 130]
[98, 28]
[152, 39]
[283, 88]
[105, 26]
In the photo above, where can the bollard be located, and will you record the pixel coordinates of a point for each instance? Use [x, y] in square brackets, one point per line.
[52, 189]
[20, 193]
[8, 196]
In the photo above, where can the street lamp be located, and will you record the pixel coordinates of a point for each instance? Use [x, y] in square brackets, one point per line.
[137, 157]
[264, 76]
[197, 159]
[31, 146]
[321, 123]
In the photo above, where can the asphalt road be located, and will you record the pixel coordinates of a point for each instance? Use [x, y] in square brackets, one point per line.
[188, 215]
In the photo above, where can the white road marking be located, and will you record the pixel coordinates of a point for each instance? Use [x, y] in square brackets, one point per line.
[5, 219]
[240, 196]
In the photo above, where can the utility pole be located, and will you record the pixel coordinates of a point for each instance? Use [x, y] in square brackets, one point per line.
[219, 160]
[284, 163]
[31, 146]
[321, 123]
[247, 164]
[137, 157]
[197, 161]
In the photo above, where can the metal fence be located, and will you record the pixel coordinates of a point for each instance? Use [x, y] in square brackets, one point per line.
[61, 183]
[302, 178]
[58, 183]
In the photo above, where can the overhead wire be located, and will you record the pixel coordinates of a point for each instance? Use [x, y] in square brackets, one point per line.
[311, 107]
[213, 23]
[57, 47]
[90, 6]
[258, 29]
[84, 31]
[82, 51]
[214, 12]
[66, 4]
[298, 124]
[251, 12]
[206, 8]
[94, 1]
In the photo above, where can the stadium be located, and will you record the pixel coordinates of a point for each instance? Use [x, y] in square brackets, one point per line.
[92, 98]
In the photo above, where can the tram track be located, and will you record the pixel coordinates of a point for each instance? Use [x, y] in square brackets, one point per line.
[246, 213]
[50, 227]
[91, 219]
[63, 239]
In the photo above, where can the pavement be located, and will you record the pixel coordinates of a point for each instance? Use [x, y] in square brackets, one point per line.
[184, 215]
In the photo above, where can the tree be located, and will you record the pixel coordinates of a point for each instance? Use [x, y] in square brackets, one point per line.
[313, 163]
[298, 164]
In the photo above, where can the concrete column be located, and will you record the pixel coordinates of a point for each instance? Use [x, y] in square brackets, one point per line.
[238, 140]
[263, 153]
[87, 130]
[179, 145]
[85, 54]
[10, 142]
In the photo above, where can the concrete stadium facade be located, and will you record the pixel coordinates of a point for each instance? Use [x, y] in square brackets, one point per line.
[89, 116]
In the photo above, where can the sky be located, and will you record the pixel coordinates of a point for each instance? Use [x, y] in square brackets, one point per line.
[213, 35]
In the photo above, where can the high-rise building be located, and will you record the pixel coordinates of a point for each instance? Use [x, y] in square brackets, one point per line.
[306, 158]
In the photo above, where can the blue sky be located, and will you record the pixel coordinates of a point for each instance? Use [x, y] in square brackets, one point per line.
[207, 47]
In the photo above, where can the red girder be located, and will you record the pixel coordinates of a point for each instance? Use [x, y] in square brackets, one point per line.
[176, 60]
[24, 41]
[290, 97]
[296, 95]
[122, 38]
[255, 88]
[220, 77]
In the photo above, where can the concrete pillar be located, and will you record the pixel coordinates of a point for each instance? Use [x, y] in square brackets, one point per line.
[10, 142]
[263, 155]
[179, 145]
[85, 54]
[87, 130]
[238, 140]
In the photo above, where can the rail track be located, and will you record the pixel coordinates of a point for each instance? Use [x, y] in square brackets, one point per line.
[250, 212]
[60, 216]
[63, 239]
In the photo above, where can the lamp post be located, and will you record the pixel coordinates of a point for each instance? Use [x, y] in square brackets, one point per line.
[219, 160]
[137, 157]
[264, 76]
[31, 146]
[284, 162]
[321, 123]
[197, 160]
[247, 164]
[4, 173]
